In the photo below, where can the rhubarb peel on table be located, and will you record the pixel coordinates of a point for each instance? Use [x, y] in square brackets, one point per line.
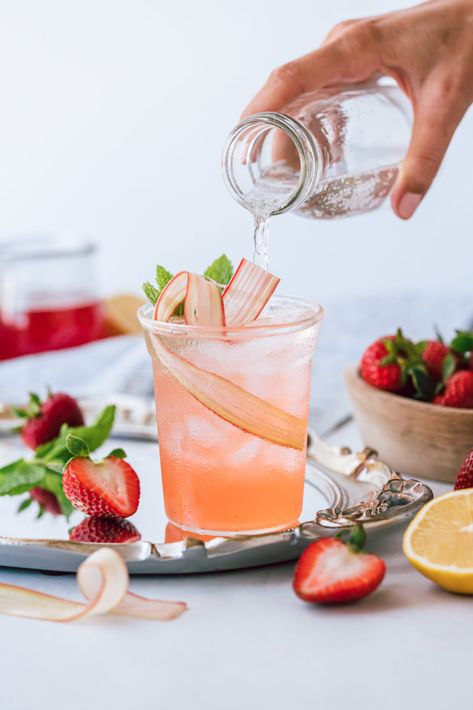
[103, 580]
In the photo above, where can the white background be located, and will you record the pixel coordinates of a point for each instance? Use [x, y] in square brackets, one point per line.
[112, 118]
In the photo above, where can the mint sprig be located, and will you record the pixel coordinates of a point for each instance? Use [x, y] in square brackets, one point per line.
[44, 470]
[220, 271]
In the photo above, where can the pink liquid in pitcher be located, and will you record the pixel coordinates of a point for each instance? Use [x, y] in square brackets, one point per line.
[49, 328]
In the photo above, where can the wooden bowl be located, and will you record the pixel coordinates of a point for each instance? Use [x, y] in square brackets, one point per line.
[415, 438]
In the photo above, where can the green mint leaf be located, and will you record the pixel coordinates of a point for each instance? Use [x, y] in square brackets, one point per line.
[118, 453]
[463, 341]
[24, 505]
[52, 482]
[77, 446]
[20, 476]
[151, 293]
[220, 270]
[93, 436]
[449, 366]
[163, 277]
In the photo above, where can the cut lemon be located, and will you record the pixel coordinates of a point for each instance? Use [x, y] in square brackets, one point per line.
[439, 541]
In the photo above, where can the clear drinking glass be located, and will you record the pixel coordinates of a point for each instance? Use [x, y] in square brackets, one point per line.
[218, 478]
[329, 154]
[48, 295]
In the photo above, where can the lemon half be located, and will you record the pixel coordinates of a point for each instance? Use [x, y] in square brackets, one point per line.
[439, 541]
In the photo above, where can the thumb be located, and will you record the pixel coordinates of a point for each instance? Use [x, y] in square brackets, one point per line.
[435, 122]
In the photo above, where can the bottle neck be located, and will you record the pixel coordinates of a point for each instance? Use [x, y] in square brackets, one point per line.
[271, 163]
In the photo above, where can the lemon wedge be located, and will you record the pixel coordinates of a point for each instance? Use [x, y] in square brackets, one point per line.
[439, 541]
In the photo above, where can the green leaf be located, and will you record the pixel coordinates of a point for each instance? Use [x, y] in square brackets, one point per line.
[357, 538]
[151, 292]
[24, 505]
[449, 366]
[77, 446]
[118, 453]
[163, 277]
[20, 476]
[388, 360]
[53, 482]
[34, 405]
[20, 413]
[463, 341]
[93, 436]
[220, 270]
[424, 386]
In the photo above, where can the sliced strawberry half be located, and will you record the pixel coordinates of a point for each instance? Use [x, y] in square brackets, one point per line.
[109, 488]
[330, 571]
[105, 530]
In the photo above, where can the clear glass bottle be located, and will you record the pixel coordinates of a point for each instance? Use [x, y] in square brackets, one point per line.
[329, 154]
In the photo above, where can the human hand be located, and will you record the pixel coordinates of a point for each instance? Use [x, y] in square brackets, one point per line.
[427, 49]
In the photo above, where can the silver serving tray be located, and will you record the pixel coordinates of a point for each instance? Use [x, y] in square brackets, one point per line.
[342, 488]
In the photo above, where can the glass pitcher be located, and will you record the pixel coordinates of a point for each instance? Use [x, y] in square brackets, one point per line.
[328, 154]
[48, 295]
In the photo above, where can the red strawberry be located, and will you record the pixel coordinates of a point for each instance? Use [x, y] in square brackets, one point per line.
[385, 377]
[47, 501]
[465, 474]
[458, 391]
[109, 488]
[330, 571]
[471, 361]
[46, 418]
[434, 355]
[107, 530]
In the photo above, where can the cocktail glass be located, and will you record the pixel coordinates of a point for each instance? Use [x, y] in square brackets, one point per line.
[219, 478]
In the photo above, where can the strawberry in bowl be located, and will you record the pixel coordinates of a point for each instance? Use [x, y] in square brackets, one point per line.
[413, 402]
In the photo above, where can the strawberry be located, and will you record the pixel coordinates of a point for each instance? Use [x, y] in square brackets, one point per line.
[330, 571]
[105, 489]
[458, 391]
[464, 477]
[109, 488]
[434, 354]
[106, 530]
[384, 376]
[46, 500]
[44, 419]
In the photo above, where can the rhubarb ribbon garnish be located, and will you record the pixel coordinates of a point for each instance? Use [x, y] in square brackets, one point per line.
[243, 300]
[247, 293]
[234, 404]
[203, 304]
[103, 580]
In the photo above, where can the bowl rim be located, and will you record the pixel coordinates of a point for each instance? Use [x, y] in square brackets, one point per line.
[352, 375]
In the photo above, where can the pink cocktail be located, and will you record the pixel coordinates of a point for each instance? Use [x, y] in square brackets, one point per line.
[222, 477]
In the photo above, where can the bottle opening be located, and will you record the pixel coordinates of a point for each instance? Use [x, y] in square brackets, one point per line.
[270, 163]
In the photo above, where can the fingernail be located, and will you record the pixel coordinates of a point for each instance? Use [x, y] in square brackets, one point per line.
[408, 204]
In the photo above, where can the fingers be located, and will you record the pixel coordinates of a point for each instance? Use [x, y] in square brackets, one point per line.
[351, 57]
[438, 112]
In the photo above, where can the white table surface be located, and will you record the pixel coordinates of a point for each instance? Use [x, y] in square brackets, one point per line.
[248, 642]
